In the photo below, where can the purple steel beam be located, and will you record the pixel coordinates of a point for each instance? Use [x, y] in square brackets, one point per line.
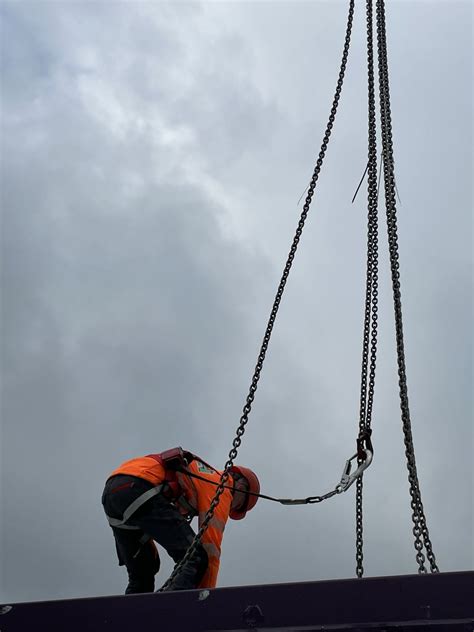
[436, 602]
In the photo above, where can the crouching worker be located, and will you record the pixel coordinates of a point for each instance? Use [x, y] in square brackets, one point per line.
[154, 498]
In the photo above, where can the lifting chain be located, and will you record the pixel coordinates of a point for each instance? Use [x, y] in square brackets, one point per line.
[266, 339]
[371, 290]
[420, 529]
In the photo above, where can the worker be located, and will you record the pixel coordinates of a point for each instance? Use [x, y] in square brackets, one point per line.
[153, 498]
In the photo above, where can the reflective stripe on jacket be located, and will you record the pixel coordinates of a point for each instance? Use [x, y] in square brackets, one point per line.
[202, 493]
[198, 494]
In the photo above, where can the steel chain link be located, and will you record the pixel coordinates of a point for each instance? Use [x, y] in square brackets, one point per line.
[420, 529]
[319, 499]
[266, 338]
[371, 294]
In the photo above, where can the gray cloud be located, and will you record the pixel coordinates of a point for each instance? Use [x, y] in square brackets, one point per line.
[152, 160]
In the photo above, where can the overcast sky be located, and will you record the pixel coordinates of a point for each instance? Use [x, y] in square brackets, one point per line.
[153, 155]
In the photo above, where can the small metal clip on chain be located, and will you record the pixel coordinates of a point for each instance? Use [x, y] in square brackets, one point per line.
[364, 460]
[347, 478]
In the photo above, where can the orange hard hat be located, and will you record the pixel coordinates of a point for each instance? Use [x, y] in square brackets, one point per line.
[253, 486]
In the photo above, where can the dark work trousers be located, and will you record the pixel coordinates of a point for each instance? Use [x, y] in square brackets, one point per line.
[158, 518]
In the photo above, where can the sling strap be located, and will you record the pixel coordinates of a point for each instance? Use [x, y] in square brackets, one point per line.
[132, 508]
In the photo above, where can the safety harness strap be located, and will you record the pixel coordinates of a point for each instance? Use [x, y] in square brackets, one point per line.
[132, 508]
[141, 542]
[186, 506]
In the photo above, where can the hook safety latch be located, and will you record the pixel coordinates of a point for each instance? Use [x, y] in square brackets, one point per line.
[347, 478]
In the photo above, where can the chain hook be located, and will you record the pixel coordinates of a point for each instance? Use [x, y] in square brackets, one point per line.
[347, 478]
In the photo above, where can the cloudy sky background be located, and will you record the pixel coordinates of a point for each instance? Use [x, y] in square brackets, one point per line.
[152, 158]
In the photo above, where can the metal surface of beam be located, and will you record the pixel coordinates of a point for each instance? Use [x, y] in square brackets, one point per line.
[405, 603]
[449, 625]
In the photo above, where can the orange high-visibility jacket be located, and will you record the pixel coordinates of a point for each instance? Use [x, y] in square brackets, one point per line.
[199, 495]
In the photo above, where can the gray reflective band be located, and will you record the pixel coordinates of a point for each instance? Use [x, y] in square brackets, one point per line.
[142, 541]
[132, 508]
